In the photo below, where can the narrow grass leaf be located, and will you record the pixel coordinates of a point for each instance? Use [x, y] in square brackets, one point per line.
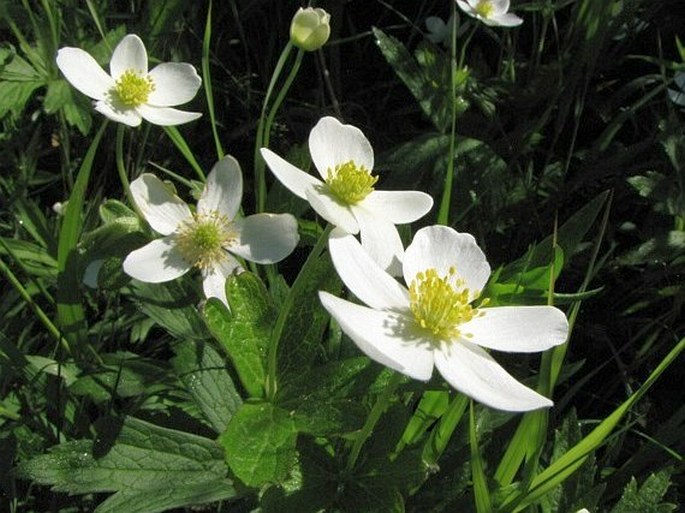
[480, 481]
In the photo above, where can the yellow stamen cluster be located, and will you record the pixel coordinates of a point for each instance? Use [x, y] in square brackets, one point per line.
[485, 8]
[350, 183]
[132, 89]
[440, 304]
[203, 239]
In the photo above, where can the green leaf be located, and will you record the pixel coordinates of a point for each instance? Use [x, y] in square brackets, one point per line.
[171, 306]
[165, 497]
[259, 444]
[480, 482]
[58, 95]
[300, 346]
[431, 95]
[244, 332]
[18, 81]
[647, 498]
[203, 372]
[128, 455]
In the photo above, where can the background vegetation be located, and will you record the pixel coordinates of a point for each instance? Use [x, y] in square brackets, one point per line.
[565, 127]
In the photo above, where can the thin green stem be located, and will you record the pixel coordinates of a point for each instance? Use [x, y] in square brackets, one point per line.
[374, 416]
[207, 82]
[42, 317]
[259, 165]
[281, 96]
[295, 290]
[444, 211]
[121, 166]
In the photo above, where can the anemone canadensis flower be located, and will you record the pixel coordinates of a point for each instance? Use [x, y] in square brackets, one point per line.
[491, 12]
[208, 237]
[440, 320]
[345, 195]
[130, 93]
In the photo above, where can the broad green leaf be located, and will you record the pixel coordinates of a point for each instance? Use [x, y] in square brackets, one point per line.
[171, 306]
[300, 344]
[245, 331]
[58, 95]
[167, 497]
[647, 498]
[18, 81]
[431, 407]
[432, 95]
[203, 372]
[259, 444]
[34, 259]
[120, 375]
[129, 455]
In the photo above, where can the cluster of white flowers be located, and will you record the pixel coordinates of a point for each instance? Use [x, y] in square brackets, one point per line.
[436, 319]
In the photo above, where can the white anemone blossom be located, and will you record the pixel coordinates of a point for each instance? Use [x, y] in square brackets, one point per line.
[208, 237]
[491, 12]
[130, 93]
[346, 197]
[439, 320]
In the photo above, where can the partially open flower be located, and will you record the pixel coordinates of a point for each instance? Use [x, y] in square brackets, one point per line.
[208, 237]
[439, 320]
[130, 93]
[491, 12]
[310, 28]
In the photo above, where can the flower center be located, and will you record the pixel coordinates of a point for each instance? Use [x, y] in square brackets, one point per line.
[133, 89]
[485, 8]
[350, 183]
[202, 240]
[438, 306]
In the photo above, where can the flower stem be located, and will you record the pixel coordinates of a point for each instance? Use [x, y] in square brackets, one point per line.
[121, 166]
[444, 211]
[266, 120]
[373, 418]
[295, 289]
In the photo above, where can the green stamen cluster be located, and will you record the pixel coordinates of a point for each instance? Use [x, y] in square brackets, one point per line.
[350, 183]
[436, 304]
[202, 240]
[133, 89]
[485, 8]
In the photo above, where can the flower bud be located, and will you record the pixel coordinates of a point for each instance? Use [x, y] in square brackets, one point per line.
[310, 28]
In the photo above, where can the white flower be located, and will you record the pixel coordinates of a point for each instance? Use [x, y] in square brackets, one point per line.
[346, 197]
[677, 96]
[491, 12]
[435, 322]
[130, 92]
[206, 237]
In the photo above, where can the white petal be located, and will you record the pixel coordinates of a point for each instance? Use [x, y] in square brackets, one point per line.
[677, 97]
[162, 209]
[130, 54]
[380, 240]
[214, 280]
[332, 143]
[505, 20]
[436, 25]
[156, 262]
[266, 238]
[500, 6]
[382, 336]
[84, 73]
[468, 9]
[363, 276]
[399, 207]
[331, 209]
[121, 115]
[166, 116]
[518, 329]
[90, 275]
[441, 247]
[473, 372]
[296, 180]
[224, 189]
[175, 83]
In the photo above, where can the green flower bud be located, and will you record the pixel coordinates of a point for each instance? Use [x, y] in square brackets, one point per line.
[310, 28]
